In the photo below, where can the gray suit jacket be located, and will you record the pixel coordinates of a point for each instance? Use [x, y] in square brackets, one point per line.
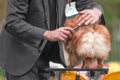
[21, 41]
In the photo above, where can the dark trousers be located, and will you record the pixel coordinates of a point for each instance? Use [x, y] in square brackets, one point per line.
[38, 72]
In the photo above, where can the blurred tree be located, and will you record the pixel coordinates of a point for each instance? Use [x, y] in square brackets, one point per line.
[112, 16]
[2, 9]
[2, 12]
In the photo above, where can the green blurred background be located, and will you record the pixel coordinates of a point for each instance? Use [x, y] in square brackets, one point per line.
[112, 16]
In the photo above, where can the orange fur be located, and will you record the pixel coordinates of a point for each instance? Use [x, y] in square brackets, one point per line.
[87, 43]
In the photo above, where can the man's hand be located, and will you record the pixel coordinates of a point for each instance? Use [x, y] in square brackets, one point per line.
[60, 34]
[89, 16]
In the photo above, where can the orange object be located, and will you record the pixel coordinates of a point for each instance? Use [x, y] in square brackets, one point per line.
[112, 76]
[70, 75]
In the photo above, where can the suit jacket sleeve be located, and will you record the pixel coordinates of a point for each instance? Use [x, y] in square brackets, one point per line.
[17, 25]
[89, 4]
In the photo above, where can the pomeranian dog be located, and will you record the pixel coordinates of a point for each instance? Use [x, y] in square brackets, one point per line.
[88, 43]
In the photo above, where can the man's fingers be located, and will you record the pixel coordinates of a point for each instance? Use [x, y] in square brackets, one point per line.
[83, 18]
[82, 12]
[89, 21]
[94, 21]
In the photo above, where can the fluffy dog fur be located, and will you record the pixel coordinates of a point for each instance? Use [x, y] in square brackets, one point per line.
[87, 44]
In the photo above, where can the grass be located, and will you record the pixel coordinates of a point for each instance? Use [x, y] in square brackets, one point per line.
[2, 78]
[1, 74]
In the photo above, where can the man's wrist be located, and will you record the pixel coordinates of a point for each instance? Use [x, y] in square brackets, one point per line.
[46, 34]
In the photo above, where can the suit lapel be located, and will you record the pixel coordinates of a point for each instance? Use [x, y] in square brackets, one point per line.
[61, 7]
[47, 12]
[60, 12]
